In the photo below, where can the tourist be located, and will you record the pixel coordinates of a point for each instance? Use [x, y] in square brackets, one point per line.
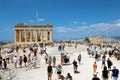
[49, 60]
[34, 60]
[4, 64]
[29, 58]
[0, 62]
[79, 58]
[44, 50]
[115, 73]
[96, 56]
[94, 67]
[63, 47]
[46, 58]
[75, 66]
[105, 73]
[17, 48]
[69, 77]
[25, 60]
[54, 61]
[103, 61]
[66, 60]
[35, 51]
[95, 77]
[50, 71]
[68, 56]
[89, 51]
[62, 58]
[110, 53]
[60, 48]
[62, 77]
[15, 60]
[11, 57]
[20, 61]
[24, 50]
[59, 71]
[109, 63]
[92, 53]
[8, 56]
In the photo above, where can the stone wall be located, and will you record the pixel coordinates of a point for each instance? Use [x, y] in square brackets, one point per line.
[96, 40]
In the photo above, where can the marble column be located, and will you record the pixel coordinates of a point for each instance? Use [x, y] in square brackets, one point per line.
[30, 35]
[44, 35]
[25, 34]
[36, 36]
[50, 35]
[41, 35]
[20, 35]
[46, 32]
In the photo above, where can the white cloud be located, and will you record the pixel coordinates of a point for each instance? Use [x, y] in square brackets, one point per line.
[117, 21]
[118, 24]
[31, 21]
[99, 27]
[62, 29]
[9, 30]
[75, 22]
[41, 19]
[83, 23]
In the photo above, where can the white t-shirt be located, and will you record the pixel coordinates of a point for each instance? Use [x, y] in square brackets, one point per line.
[15, 59]
[34, 59]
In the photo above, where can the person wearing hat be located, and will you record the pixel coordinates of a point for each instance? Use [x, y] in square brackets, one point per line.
[115, 73]
[95, 76]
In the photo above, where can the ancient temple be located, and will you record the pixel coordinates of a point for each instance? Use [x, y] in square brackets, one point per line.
[33, 33]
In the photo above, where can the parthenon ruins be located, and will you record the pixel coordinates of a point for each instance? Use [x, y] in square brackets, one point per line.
[33, 33]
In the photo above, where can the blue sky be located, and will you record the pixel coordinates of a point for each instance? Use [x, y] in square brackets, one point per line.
[71, 18]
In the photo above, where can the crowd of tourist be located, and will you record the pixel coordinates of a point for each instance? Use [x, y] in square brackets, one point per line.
[101, 53]
[30, 56]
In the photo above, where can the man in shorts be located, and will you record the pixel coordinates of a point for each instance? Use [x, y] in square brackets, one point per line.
[115, 73]
[50, 71]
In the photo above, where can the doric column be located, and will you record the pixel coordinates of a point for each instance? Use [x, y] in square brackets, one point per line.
[46, 32]
[25, 34]
[44, 35]
[41, 35]
[30, 35]
[36, 36]
[20, 35]
[50, 35]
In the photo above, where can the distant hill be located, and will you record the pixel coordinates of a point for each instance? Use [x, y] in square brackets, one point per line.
[111, 39]
[108, 39]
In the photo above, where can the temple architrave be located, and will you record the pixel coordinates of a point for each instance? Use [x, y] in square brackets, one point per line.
[33, 33]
